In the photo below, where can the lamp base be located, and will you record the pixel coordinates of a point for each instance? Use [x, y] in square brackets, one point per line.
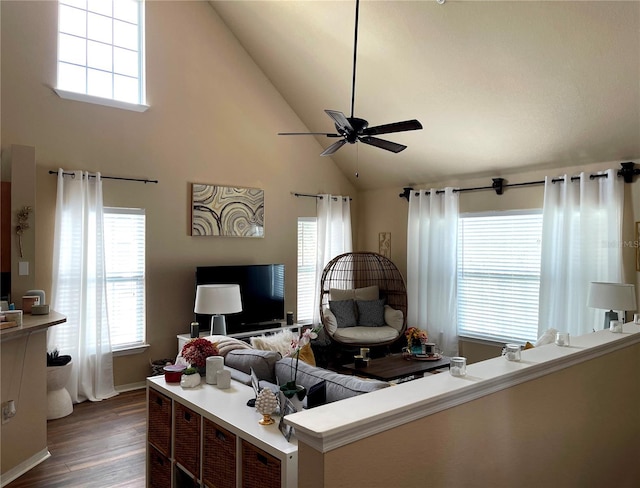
[218, 325]
[608, 317]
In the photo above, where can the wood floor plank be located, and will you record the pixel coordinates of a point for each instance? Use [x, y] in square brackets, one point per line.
[100, 445]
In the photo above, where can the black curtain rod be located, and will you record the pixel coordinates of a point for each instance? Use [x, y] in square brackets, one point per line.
[66, 173]
[319, 197]
[627, 172]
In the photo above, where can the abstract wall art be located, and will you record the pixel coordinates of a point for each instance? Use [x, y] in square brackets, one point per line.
[226, 211]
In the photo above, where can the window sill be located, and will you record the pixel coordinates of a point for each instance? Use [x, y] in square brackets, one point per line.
[107, 102]
[130, 350]
[485, 341]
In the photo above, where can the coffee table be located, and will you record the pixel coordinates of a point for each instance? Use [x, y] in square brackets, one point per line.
[395, 366]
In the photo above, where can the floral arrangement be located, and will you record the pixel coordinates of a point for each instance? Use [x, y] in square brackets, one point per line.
[413, 334]
[196, 351]
[294, 352]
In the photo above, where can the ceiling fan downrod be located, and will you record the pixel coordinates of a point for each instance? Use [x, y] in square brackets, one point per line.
[355, 55]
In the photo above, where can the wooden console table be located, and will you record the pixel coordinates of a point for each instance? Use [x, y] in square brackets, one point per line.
[209, 437]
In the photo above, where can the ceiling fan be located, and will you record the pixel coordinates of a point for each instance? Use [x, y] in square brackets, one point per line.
[353, 129]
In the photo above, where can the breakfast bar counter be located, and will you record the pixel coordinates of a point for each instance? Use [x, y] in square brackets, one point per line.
[540, 416]
[24, 392]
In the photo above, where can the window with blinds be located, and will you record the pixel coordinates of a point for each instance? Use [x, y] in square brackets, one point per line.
[499, 275]
[307, 245]
[124, 242]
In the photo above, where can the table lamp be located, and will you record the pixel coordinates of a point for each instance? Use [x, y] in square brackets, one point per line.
[611, 296]
[216, 300]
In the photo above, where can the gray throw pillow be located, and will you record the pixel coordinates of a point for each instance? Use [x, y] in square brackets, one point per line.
[345, 313]
[262, 362]
[371, 312]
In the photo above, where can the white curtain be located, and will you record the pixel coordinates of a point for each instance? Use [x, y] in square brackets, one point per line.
[581, 242]
[432, 266]
[79, 287]
[334, 237]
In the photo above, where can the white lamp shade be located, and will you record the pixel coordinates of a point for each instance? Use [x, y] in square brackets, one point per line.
[218, 299]
[612, 296]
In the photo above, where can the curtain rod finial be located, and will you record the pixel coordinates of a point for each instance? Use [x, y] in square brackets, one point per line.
[406, 191]
[628, 171]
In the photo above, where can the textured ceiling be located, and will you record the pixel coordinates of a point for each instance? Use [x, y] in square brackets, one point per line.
[499, 87]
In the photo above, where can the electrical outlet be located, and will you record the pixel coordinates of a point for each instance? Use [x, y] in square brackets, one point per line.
[8, 411]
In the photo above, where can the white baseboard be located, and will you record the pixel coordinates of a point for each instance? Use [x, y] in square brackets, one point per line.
[23, 467]
[131, 386]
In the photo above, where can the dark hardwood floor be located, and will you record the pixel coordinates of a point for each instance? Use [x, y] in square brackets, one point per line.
[100, 445]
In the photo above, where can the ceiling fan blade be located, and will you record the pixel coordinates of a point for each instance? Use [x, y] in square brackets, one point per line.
[333, 147]
[341, 121]
[308, 134]
[394, 127]
[382, 144]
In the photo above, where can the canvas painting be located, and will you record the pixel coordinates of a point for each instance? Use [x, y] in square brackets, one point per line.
[227, 211]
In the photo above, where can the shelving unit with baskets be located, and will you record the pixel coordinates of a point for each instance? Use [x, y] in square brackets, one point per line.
[207, 437]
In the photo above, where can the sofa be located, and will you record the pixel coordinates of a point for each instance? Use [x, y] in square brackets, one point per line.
[272, 369]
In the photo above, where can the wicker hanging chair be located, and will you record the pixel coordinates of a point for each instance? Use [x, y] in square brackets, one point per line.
[355, 270]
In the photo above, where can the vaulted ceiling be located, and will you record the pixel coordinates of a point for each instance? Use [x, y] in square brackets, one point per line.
[499, 87]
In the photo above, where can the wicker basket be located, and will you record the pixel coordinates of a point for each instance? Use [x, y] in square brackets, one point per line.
[259, 469]
[159, 421]
[157, 366]
[187, 439]
[159, 469]
[219, 461]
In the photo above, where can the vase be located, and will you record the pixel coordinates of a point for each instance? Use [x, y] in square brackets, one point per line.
[295, 393]
[416, 347]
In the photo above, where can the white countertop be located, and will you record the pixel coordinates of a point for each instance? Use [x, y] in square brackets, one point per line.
[336, 424]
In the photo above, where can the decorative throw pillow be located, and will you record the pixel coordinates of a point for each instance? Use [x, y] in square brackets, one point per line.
[393, 318]
[306, 355]
[345, 313]
[370, 312]
[366, 293]
[280, 342]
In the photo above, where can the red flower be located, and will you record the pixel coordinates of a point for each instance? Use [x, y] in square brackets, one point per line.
[198, 350]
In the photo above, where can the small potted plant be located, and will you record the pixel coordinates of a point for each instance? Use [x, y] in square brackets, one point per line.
[190, 378]
[55, 359]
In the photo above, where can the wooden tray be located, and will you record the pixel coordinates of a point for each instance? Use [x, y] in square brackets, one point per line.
[420, 357]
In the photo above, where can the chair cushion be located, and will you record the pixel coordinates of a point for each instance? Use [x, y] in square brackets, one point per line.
[365, 293]
[345, 312]
[330, 322]
[338, 386]
[366, 335]
[370, 312]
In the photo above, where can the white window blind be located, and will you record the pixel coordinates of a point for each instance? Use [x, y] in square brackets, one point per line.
[100, 49]
[499, 275]
[307, 248]
[124, 241]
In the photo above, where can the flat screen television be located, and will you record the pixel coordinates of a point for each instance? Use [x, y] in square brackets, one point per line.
[261, 292]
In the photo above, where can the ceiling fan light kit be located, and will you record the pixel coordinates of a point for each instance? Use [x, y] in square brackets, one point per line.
[353, 129]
